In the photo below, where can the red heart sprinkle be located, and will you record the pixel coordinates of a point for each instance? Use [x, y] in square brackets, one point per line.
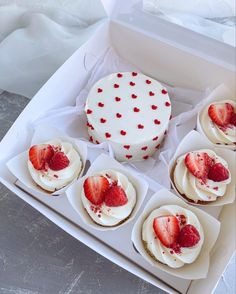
[140, 126]
[151, 93]
[128, 156]
[167, 103]
[164, 92]
[108, 135]
[132, 84]
[99, 90]
[123, 133]
[119, 75]
[148, 82]
[145, 157]
[89, 111]
[117, 99]
[127, 147]
[156, 121]
[154, 107]
[118, 115]
[100, 104]
[103, 120]
[134, 74]
[97, 142]
[134, 96]
[144, 148]
[116, 86]
[154, 139]
[91, 139]
[90, 126]
[136, 109]
[157, 146]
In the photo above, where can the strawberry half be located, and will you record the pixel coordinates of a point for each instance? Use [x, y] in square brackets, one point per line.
[94, 189]
[221, 114]
[198, 164]
[233, 119]
[188, 236]
[115, 196]
[59, 161]
[40, 154]
[166, 229]
[218, 173]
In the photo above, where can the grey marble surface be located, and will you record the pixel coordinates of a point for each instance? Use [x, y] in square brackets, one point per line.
[38, 257]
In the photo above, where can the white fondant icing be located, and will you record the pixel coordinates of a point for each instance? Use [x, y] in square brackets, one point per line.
[131, 111]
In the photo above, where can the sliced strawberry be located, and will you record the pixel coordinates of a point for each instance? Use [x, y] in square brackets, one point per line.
[166, 229]
[188, 236]
[218, 173]
[59, 161]
[40, 154]
[115, 196]
[94, 189]
[198, 164]
[233, 119]
[221, 113]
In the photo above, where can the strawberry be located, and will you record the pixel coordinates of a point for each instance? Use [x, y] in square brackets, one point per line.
[218, 173]
[166, 229]
[115, 196]
[94, 189]
[233, 119]
[220, 114]
[188, 236]
[198, 164]
[59, 161]
[40, 154]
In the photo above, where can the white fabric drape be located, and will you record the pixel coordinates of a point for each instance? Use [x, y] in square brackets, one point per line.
[36, 37]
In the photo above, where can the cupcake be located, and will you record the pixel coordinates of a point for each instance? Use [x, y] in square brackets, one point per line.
[131, 112]
[218, 122]
[54, 165]
[108, 197]
[172, 235]
[201, 176]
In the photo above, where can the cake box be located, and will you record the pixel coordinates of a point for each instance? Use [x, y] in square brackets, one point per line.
[193, 61]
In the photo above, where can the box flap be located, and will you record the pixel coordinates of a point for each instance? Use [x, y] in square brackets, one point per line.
[130, 13]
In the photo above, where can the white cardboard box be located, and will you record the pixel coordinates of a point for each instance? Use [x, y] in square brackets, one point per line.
[158, 58]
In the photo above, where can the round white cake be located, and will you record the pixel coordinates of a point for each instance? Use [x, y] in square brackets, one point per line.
[129, 110]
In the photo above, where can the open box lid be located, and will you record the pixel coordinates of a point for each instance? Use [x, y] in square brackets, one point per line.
[130, 13]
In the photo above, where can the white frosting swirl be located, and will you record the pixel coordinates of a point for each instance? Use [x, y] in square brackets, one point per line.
[215, 133]
[167, 255]
[110, 216]
[51, 180]
[193, 188]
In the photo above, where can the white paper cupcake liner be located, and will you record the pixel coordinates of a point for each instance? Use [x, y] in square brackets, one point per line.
[219, 94]
[211, 228]
[104, 162]
[195, 141]
[18, 165]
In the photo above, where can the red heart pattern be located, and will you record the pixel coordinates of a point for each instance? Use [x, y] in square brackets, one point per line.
[144, 90]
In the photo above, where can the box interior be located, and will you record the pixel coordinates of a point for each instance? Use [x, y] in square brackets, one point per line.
[159, 60]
